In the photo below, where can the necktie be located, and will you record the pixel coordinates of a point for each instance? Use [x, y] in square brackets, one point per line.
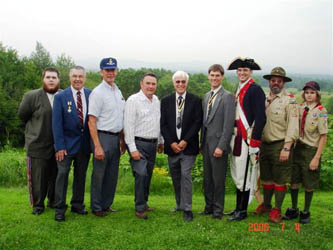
[210, 103]
[179, 108]
[79, 107]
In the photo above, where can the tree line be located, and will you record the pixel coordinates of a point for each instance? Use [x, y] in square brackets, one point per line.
[20, 74]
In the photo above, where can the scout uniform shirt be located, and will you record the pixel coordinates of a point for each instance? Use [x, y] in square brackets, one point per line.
[315, 124]
[282, 118]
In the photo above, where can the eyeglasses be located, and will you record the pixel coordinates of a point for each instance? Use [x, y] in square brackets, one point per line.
[182, 81]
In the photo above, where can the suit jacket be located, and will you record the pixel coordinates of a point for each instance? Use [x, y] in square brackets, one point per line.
[36, 112]
[66, 126]
[218, 128]
[191, 123]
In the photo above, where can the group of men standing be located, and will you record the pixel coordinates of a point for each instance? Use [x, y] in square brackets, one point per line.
[100, 121]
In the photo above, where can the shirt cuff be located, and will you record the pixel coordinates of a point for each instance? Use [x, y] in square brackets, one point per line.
[132, 147]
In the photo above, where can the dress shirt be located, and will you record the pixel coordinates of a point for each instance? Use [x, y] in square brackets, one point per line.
[214, 91]
[107, 104]
[142, 119]
[179, 130]
[83, 98]
[51, 98]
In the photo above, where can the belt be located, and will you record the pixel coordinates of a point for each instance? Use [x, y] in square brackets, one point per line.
[272, 142]
[108, 133]
[146, 140]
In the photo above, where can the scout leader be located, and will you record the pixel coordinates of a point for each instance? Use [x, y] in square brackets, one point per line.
[279, 135]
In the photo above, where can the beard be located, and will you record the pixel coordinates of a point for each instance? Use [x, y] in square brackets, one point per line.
[275, 90]
[51, 90]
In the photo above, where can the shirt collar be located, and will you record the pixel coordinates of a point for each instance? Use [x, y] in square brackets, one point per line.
[218, 89]
[109, 86]
[143, 97]
[74, 91]
[183, 95]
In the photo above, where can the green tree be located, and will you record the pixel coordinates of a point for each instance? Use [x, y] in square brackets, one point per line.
[64, 64]
[41, 58]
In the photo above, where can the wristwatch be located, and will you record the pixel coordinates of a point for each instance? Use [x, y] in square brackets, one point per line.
[286, 149]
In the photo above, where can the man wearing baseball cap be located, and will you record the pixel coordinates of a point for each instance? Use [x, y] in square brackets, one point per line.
[106, 122]
[280, 133]
[250, 120]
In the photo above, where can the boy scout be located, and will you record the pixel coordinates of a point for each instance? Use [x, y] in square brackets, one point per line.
[313, 136]
[280, 133]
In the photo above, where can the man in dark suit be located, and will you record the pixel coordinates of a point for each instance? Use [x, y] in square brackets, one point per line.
[72, 142]
[218, 123]
[36, 112]
[181, 120]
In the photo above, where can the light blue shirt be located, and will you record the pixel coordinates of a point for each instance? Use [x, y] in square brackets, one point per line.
[107, 104]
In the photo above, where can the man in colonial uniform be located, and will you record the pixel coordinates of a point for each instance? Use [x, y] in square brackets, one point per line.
[249, 124]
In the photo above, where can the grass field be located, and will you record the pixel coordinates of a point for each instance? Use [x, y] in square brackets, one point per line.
[19, 229]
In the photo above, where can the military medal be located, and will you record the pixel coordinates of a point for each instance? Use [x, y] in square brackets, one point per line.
[69, 103]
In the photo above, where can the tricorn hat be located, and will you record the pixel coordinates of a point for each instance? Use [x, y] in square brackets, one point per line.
[279, 72]
[244, 63]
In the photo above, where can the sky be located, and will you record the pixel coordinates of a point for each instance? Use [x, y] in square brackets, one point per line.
[294, 34]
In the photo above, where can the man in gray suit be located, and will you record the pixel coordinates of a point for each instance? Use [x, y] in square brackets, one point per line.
[218, 123]
[36, 112]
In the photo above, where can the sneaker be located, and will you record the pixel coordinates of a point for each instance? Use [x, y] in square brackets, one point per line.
[275, 215]
[261, 209]
[304, 217]
[291, 213]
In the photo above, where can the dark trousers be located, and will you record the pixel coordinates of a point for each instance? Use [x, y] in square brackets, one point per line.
[80, 162]
[43, 176]
[105, 173]
[143, 171]
[215, 170]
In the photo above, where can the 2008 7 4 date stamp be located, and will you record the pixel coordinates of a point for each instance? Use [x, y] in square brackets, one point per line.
[264, 227]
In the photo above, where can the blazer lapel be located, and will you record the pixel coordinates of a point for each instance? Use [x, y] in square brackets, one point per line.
[87, 105]
[70, 99]
[216, 104]
[45, 99]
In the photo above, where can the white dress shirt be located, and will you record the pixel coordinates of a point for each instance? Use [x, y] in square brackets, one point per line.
[107, 104]
[179, 130]
[83, 98]
[214, 91]
[142, 119]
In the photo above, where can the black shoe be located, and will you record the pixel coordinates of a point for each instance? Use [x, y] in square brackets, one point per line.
[174, 210]
[205, 212]
[188, 216]
[79, 211]
[291, 213]
[238, 215]
[231, 213]
[37, 210]
[217, 216]
[59, 217]
[304, 217]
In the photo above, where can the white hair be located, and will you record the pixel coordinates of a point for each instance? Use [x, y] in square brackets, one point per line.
[180, 74]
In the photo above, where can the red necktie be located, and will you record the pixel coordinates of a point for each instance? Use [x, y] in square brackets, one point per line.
[79, 107]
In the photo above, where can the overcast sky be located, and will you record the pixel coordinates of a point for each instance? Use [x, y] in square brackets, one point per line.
[295, 34]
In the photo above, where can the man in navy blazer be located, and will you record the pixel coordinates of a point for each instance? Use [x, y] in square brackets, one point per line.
[71, 141]
[181, 120]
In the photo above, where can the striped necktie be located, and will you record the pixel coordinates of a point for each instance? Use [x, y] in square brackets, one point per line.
[79, 107]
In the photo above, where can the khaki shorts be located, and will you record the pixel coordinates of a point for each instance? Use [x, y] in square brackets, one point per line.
[301, 172]
[271, 169]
